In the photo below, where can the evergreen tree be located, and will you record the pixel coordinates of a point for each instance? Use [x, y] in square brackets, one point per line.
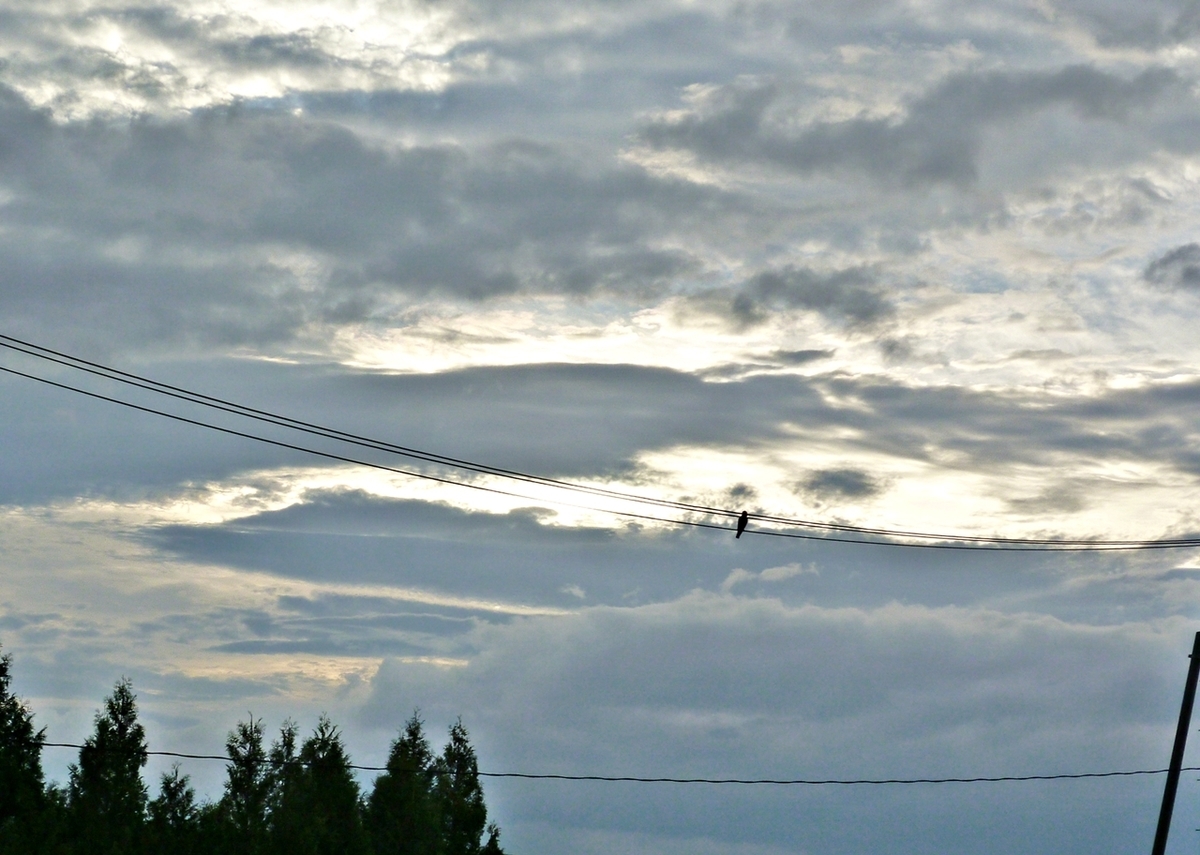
[459, 795]
[241, 815]
[492, 847]
[21, 781]
[316, 811]
[106, 798]
[401, 813]
[174, 817]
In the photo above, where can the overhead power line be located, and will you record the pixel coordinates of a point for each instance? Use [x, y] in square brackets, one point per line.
[833, 532]
[634, 779]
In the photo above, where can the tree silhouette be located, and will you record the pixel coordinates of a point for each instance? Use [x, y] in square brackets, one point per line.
[242, 811]
[295, 799]
[316, 806]
[459, 795]
[174, 821]
[21, 782]
[106, 798]
[401, 813]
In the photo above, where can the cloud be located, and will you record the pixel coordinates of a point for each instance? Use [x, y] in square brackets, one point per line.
[800, 357]
[937, 140]
[771, 574]
[834, 485]
[1151, 25]
[590, 421]
[1059, 498]
[851, 295]
[246, 228]
[1179, 269]
[720, 686]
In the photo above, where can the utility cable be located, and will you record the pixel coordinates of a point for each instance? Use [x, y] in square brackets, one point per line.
[945, 541]
[148, 384]
[742, 781]
[1092, 546]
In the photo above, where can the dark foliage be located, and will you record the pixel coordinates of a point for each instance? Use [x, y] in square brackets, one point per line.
[21, 784]
[106, 798]
[401, 814]
[298, 798]
[459, 795]
[316, 811]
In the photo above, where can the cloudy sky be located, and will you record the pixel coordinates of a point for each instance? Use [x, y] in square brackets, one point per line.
[926, 265]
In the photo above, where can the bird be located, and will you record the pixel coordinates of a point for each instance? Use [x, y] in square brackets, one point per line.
[742, 520]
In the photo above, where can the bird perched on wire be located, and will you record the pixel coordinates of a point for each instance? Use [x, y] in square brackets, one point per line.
[742, 520]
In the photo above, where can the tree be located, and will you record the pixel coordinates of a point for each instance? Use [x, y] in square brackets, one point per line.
[174, 818]
[316, 811]
[492, 847]
[106, 797]
[459, 795]
[21, 780]
[401, 813]
[242, 811]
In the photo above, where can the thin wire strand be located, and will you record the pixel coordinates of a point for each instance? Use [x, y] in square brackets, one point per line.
[1067, 546]
[158, 387]
[634, 779]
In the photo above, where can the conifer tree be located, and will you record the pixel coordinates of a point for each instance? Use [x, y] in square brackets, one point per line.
[242, 811]
[106, 798]
[401, 813]
[21, 780]
[317, 807]
[492, 847]
[459, 795]
[174, 818]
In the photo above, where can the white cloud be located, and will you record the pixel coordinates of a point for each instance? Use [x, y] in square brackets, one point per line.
[771, 574]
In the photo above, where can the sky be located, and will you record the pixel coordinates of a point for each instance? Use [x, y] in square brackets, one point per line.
[926, 265]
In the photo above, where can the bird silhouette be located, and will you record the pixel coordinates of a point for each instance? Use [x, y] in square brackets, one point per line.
[742, 520]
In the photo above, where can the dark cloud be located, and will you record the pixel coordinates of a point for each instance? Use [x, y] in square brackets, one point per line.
[1179, 268]
[840, 484]
[852, 295]
[109, 221]
[801, 357]
[569, 421]
[937, 141]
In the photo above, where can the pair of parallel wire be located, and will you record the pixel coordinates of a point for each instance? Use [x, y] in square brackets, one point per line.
[695, 515]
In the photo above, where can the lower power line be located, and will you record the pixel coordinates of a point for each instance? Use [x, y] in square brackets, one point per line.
[776, 781]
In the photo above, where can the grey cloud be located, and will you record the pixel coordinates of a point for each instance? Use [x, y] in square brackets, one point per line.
[1059, 498]
[1152, 24]
[1179, 268]
[1051, 354]
[852, 295]
[801, 357]
[509, 559]
[186, 218]
[574, 420]
[729, 687]
[937, 141]
[840, 484]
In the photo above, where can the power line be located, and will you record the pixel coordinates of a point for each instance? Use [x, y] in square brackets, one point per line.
[941, 541]
[341, 458]
[224, 405]
[741, 781]
[1097, 546]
